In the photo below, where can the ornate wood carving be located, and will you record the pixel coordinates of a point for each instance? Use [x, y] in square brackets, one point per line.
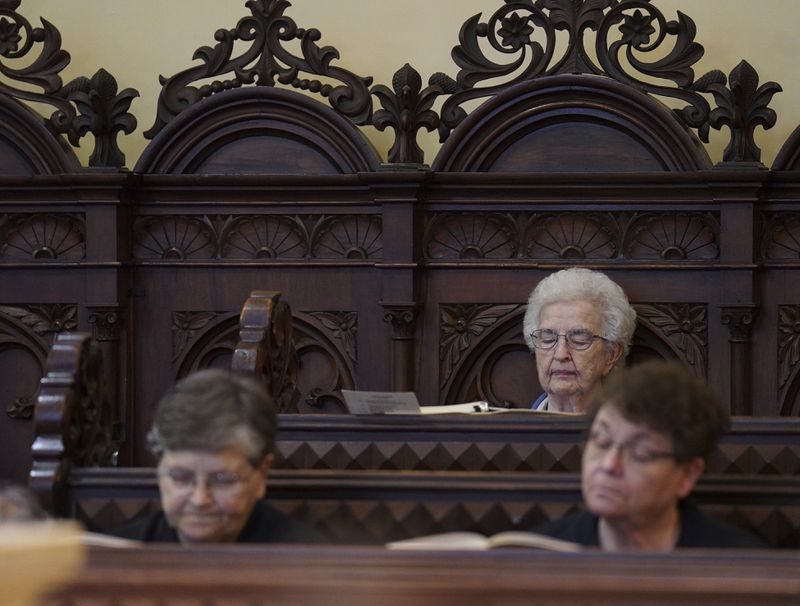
[32, 328]
[469, 236]
[265, 349]
[789, 359]
[44, 320]
[42, 237]
[739, 320]
[666, 237]
[355, 237]
[741, 108]
[266, 61]
[673, 237]
[625, 34]
[683, 326]
[406, 109]
[780, 236]
[572, 236]
[105, 322]
[72, 423]
[460, 327]
[174, 238]
[326, 347]
[178, 238]
[264, 237]
[343, 327]
[198, 336]
[81, 106]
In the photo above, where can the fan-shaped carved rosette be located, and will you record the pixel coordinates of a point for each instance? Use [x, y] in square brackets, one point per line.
[571, 236]
[43, 237]
[683, 326]
[174, 238]
[355, 237]
[471, 236]
[264, 237]
[673, 237]
[781, 237]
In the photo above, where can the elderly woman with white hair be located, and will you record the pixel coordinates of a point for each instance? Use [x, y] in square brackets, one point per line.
[579, 326]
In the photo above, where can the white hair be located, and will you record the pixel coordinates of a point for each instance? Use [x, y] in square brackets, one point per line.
[581, 284]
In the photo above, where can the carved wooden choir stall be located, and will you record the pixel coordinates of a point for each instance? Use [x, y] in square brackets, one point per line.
[400, 275]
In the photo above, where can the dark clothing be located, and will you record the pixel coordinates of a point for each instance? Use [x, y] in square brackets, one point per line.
[697, 530]
[265, 525]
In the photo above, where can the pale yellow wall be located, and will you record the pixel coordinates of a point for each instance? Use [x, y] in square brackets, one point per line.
[136, 40]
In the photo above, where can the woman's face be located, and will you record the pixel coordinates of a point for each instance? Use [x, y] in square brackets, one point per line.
[629, 472]
[570, 376]
[207, 496]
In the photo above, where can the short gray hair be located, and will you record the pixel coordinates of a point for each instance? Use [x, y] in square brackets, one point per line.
[581, 284]
[212, 410]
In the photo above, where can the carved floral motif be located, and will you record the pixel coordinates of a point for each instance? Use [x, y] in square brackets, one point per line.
[343, 326]
[627, 35]
[185, 325]
[684, 326]
[83, 105]
[460, 326]
[44, 319]
[788, 342]
[267, 60]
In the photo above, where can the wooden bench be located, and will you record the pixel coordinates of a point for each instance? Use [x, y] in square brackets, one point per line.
[379, 506]
[374, 479]
[367, 576]
[72, 427]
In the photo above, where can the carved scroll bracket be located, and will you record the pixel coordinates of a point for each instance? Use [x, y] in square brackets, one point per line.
[739, 320]
[105, 322]
[81, 106]
[403, 317]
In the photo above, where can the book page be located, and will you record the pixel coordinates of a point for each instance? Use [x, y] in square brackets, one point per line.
[446, 540]
[96, 539]
[519, 538]
[475, 541]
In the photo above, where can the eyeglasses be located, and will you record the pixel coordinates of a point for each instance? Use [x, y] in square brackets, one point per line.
[219, 482]
[634, 452]
[577, 339]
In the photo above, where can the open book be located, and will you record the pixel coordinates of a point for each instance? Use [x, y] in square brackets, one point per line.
[475, 541]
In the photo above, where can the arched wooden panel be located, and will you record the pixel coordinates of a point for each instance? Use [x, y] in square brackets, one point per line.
[571, 123]
[788, 157]
[27, 147]
[483, 356]
[258, 131]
